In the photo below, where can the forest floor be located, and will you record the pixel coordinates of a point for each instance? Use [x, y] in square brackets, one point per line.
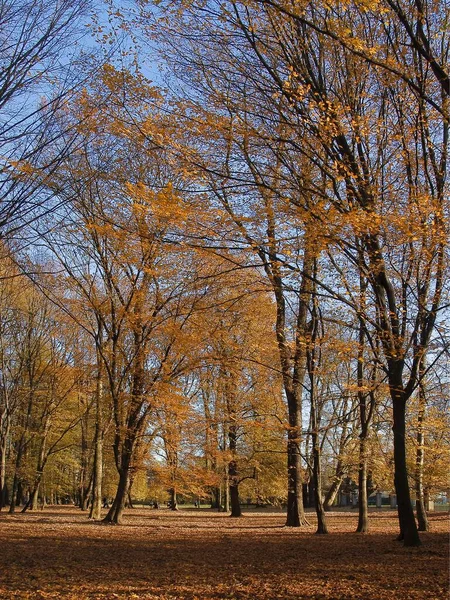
[204, 555]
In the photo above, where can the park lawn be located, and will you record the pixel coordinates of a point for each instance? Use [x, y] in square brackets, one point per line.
[200, 554]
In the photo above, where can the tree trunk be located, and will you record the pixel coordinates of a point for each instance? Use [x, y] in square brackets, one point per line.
[215, 497]
[363, 517]
[421, 512]
[4, 430]
[211, 445]
[16, 481]
[235, 502]
[21, 448]
[26, 503]
[295, 510]
[84, 464]
[234, 490]
[233, 465]
[97, 474]
[317, 476]
[312, 364]
[115, 513]
[3, 490]
[34, 503]
[408, 528]
[226, 493]
[173, 499]
[389, 323]
[334, 488]
[219, 497]
[127, 433]
[293, 369]
[317, 471]
[84, 505]
[365, 414]
[20, 498]
[5, 493]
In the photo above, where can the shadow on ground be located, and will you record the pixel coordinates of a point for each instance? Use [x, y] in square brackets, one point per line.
[57, 554]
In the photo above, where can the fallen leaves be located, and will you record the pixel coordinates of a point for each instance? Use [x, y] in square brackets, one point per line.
[203, 555]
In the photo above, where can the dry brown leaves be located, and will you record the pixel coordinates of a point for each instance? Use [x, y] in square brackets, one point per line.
[58, 553]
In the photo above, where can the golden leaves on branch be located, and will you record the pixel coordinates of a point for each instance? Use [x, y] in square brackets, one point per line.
[163, 205]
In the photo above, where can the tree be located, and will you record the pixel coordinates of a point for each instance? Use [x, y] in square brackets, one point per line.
[11, 366]
[336, 109]
[37, 76]
[118, 243]
[345, 134]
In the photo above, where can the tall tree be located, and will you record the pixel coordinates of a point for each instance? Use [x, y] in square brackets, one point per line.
[345, 121]
[38, 73]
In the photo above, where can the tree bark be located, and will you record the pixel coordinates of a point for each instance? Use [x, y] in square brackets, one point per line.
[97, 475]
[127, 433]
[115, 513]
[363, 515]
[233, 475]
[4, 436]
[16, 481]
[389, 324]
[234, 487]
[312, 362]
[215, 497]
[408, 529]
[234, 500]
[293, 365]
[421, 512]
[317, 477]
[295, 510]
[32, 503]
[364, 414]
[97, 472]
[226, 493]
[316, 470]
[34, 497]
[84, 477]
[21, 447]
[173, 499]
[330, 496]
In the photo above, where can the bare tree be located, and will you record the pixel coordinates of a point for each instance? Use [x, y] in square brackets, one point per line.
[38, 52]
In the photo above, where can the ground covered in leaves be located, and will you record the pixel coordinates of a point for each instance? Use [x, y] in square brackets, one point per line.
[200, 554]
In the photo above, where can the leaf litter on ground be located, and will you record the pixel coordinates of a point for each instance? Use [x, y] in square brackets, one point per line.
[204, 555]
